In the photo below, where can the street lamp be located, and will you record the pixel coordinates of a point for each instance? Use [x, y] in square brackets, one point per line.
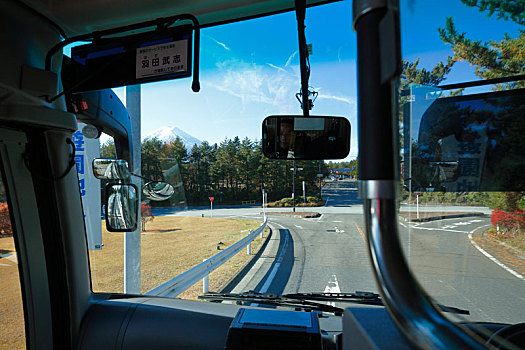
[294, 169]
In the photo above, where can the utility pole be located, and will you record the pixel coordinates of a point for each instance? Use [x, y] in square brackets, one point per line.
[293, 185]
[294, 169]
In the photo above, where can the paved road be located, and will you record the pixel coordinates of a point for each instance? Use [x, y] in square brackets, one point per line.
[329, 254]
[455, 272]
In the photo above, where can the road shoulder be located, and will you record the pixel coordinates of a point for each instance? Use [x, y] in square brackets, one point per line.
[512, 258]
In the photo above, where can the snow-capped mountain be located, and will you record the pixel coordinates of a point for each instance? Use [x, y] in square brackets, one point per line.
[170, 133]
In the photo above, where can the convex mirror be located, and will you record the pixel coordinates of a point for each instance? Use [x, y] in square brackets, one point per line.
[121, 208]
[158, 190]
[298, 137]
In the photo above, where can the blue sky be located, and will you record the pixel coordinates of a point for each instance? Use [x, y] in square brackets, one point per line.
[250, 70]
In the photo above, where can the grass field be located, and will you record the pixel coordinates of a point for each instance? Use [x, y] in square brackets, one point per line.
[170, 246]
[12, 333]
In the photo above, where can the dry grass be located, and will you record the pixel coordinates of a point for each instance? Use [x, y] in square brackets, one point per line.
[170, 246]
[12, 332]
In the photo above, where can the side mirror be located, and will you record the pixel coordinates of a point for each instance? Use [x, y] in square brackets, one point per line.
[158, 190]
[117, 169]
[297, 137]
[122, 207]
[111, 169]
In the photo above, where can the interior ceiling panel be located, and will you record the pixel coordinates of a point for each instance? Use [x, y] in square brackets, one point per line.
[84, 16]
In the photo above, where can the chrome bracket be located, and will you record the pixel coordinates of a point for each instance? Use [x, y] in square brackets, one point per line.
[378, 189]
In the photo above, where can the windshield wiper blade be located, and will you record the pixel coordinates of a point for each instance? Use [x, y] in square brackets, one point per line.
[362, 298]
[272, 299]
[355, 297]
[304, 300]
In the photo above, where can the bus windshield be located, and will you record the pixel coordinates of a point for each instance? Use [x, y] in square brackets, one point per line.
[464, 244]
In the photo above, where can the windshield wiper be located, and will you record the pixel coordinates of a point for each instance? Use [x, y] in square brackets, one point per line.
[272, 299]
[307, 300]
[363, 298]
[368, 298]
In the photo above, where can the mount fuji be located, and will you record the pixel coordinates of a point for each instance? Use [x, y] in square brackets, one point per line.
[170, 133]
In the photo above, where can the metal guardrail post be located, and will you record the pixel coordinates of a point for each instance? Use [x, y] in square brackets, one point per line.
[206, 281]
[249, 246]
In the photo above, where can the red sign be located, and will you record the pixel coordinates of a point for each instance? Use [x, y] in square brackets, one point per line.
[417, 193]
[211, 199]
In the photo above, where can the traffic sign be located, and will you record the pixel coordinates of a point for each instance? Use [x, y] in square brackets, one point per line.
[211, 199]
[417, 193]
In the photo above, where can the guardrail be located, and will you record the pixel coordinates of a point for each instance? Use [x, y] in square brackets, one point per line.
[185, 280]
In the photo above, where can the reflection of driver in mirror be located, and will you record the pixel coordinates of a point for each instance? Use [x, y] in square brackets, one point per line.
[287, 138]
[309, 144]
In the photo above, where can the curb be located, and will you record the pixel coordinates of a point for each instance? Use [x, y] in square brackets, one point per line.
[296, 214]
[441, 217]
[232, 282]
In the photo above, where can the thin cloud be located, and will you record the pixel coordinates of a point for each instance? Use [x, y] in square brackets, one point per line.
[278, 68]
[220, 44]
[258, 84]
[348, 100]
[289, 61]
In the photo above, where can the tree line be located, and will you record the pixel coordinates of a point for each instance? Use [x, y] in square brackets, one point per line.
[232, 172]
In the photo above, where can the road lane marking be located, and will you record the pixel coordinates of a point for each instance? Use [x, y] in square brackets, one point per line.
[496, 261]
[298, 226]
[360, 231]
[337, 221]
[276, 267]
[333, 285]
[436, 229]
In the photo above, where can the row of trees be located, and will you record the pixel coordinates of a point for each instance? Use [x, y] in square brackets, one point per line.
[233, 171]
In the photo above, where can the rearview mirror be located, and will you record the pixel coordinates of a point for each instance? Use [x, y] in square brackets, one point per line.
[465, 143]
[158, 190]
[297, 137]
[121, 208]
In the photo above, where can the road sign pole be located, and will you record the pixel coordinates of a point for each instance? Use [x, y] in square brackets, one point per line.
[264, 204]
[211, 205]
[417, 205]
[304, 193]
[293, 185]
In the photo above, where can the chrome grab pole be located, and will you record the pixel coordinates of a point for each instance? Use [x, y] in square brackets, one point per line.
[409, 306]
[376, 23]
